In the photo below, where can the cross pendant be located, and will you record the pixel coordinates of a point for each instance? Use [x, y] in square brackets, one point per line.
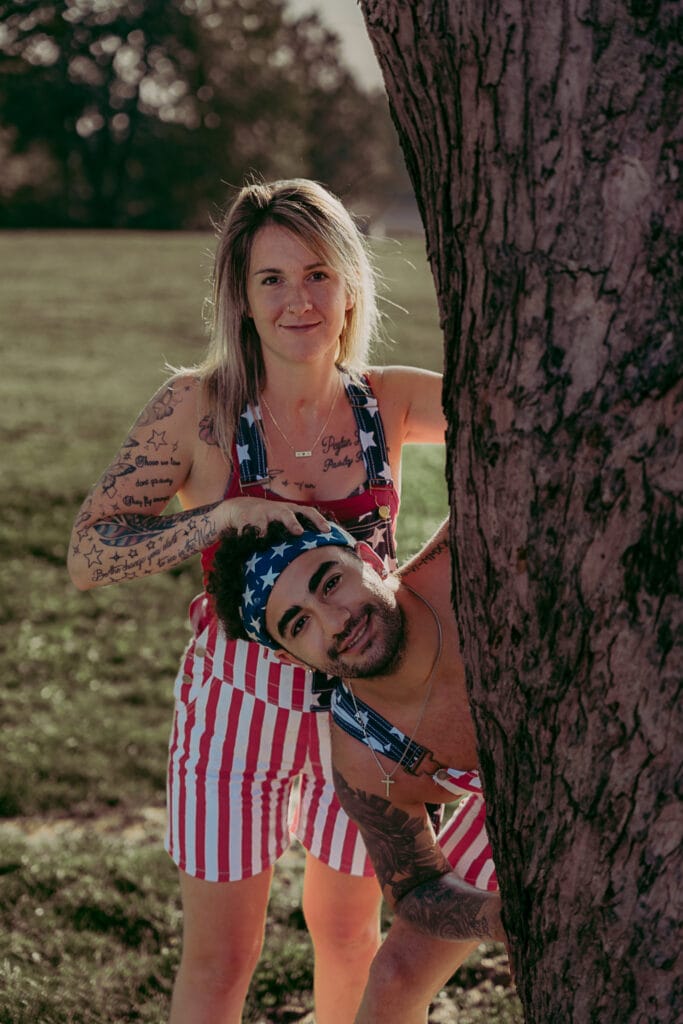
[387, 781]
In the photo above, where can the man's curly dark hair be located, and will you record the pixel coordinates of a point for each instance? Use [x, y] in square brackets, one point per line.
[226, 578]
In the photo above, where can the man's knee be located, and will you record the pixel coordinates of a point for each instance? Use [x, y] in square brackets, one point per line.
[392, 971]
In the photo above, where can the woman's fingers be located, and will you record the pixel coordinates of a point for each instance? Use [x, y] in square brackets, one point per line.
[259, 512]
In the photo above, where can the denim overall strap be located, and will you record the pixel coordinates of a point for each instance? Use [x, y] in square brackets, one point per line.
[365, 724]
[362, 722]
[251, 450]
[370, 431]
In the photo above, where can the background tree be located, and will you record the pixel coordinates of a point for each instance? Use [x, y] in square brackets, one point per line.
[138, 112]
[540, 137]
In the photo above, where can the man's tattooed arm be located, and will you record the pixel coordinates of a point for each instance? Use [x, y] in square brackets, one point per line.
[435, 549]
[416, 879]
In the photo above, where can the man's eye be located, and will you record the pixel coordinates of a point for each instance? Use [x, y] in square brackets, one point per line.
[271, 279]
[298, 624]
[331, 583]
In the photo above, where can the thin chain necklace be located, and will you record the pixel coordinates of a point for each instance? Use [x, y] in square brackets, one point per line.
[306, 452]
[387, 779]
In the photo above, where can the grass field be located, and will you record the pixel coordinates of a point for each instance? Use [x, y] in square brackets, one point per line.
[89, 915]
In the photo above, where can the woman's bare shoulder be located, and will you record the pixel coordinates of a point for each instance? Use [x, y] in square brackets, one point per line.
[180, 389]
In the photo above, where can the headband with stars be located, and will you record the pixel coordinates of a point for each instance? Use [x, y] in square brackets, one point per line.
[262, 570]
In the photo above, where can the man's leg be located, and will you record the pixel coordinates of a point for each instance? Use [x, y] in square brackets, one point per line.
[223, 930]
[342, 915]
[406, 974]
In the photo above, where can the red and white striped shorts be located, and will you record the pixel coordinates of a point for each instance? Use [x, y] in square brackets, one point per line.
[242, 736]
[464, 842]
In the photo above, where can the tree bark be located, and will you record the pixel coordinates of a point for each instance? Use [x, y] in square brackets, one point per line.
[541, 140]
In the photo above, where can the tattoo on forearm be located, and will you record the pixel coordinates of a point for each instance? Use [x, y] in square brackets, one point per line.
[121, 531]
[137, 545]
[392, 836]
[446, 912]
[411, 866]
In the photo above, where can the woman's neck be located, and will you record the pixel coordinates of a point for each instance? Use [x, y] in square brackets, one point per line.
[300, 391]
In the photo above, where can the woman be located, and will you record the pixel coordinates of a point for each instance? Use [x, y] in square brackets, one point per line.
[282, 416]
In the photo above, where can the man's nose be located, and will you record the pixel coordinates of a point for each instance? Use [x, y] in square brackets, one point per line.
[338, 618]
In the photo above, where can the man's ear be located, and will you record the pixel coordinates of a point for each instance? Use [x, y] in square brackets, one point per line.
[371, 558]
[288, 659]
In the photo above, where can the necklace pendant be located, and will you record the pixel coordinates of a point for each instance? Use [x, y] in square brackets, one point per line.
[386, 782]
[302, 455]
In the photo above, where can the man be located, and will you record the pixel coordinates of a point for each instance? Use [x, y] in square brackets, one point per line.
[402, 735]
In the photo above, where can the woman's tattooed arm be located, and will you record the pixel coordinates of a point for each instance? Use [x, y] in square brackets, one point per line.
[120, 532]
[125, 546]
[415, 876]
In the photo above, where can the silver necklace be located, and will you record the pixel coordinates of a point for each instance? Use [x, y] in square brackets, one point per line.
[387, 779]
[306, 452]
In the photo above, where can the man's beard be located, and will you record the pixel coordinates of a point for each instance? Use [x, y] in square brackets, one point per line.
[387, 649]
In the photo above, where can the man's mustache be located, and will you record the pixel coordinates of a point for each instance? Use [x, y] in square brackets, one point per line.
[352, 623]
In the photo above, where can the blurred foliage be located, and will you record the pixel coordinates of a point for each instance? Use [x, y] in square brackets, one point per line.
[138, 113]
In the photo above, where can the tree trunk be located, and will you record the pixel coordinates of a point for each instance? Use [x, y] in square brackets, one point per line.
[540, 138]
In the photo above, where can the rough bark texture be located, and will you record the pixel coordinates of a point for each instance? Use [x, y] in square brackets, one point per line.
[541, 141]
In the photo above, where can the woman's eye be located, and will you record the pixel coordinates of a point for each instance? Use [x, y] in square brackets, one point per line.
[319, 275]
[270, 280]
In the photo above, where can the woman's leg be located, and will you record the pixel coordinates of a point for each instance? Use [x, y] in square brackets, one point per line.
[223, 928]
[342, 915]
[406, 974]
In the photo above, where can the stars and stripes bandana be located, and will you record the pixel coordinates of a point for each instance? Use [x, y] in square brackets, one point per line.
[263, 569]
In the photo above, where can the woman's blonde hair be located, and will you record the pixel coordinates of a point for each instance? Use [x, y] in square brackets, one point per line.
[232, 373]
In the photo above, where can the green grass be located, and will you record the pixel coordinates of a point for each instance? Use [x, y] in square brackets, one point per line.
[92, 932]
[90, 924]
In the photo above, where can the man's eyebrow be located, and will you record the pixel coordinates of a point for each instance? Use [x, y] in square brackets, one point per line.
[286, 618]
[313, 585]
[317, 576]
